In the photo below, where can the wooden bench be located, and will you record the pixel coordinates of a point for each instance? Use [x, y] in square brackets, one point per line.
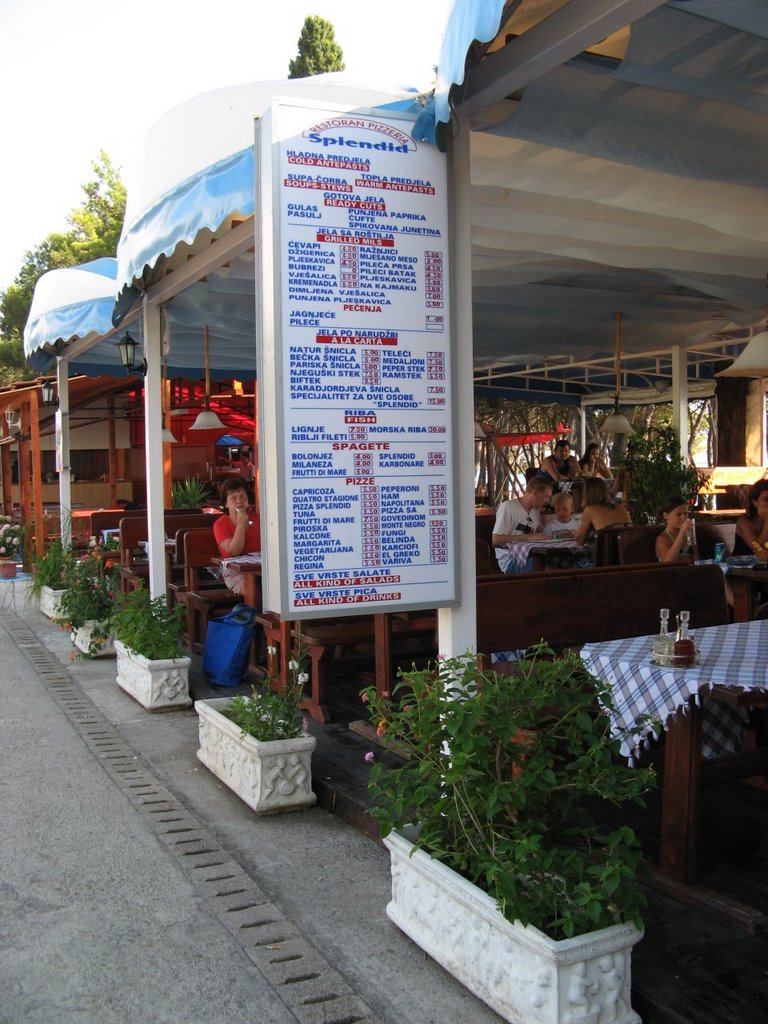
[568, 608]
[319, 639]
[203, 594]
[638, 543]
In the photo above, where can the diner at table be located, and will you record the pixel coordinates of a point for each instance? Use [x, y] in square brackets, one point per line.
[237, 531]
[561, 465]
[599, 511]
[752, 526]
[518, 519]
[678, 538]
[593, 464]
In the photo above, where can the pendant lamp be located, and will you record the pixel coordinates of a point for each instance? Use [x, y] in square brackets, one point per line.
[207, 419]
[616, 423]
[753, 361]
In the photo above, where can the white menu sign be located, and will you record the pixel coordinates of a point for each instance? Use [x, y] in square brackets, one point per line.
[366, 365]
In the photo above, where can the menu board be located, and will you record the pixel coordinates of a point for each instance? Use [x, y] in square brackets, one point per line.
[365, 358]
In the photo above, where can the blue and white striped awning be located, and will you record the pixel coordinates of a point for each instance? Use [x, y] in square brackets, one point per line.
[69, 304]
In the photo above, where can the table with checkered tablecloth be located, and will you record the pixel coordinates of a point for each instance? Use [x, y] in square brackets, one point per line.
[522, 551]
[733, 656]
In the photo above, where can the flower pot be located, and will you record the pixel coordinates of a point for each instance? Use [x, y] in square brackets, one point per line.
[84, 640]
[157, 685]
[7, 569]
[49, 602]
[519, 972]
[269, 777]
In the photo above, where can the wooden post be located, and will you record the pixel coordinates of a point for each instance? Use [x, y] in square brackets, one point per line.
[31, 411]
[112, 453]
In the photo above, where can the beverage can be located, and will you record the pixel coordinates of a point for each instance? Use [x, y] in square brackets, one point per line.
[719, 552]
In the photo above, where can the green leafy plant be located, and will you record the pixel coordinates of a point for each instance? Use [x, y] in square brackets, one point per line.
[654, 470]
[503, 777]
[272, 713]
[190, 493]
[89, 597]
[51, 568]
[148, 626]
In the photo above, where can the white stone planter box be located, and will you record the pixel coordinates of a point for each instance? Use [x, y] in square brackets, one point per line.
[269, 777]
[522, 974]
[50, 602]
[82, 637]
[157, 685]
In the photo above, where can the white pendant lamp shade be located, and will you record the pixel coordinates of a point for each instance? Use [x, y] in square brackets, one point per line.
[167, 436]
[616, 423]
[207, 419]
[753, 361]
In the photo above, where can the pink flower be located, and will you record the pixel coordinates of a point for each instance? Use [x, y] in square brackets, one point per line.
[369, 756]
[364, 698]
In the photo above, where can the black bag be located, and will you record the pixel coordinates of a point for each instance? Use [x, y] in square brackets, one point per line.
[227, 643]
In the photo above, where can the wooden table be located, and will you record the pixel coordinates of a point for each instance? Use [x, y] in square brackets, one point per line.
[733, 661]
[743, 582]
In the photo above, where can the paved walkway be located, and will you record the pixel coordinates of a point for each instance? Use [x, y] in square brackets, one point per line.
[136, 889]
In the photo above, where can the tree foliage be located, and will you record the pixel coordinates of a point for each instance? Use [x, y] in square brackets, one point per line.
[318, 50]
[655, 470]
[94, 231]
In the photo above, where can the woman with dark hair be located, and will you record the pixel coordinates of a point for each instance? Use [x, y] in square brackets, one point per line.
[752, 527]
[677, 539]
[237, 531]
[593, 463]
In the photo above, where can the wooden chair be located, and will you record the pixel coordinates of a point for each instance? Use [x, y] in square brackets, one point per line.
[135, 529]
[637, 544]
[607, 544]
[203, 594]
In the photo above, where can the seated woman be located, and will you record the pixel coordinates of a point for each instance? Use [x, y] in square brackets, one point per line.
[752, 527]
[237, 531]
[677, 540]
[599, 511]
[593, 463]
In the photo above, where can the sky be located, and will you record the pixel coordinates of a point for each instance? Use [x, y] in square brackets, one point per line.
[80, 76]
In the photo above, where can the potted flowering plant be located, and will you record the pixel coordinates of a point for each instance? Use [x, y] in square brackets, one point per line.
[151, 665]
[86, 604]
[50, 571]
[11, 539]
[257, 745]
[506, 876]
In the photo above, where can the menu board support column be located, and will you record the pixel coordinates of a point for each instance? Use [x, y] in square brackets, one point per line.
[356, 364]
[457, 626]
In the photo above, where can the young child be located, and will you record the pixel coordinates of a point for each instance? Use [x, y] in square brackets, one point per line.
[565, 524]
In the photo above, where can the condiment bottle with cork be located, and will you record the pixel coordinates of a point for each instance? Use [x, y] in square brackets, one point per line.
[685, 649]
[663, 645]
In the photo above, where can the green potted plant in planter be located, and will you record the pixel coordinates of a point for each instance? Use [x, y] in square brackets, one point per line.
[86, 603]
[500, 868]
[151, 665]
[49, 577]
[192, 492]
[257, 745]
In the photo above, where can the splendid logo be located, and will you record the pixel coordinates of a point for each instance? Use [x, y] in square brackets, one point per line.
[335, 132]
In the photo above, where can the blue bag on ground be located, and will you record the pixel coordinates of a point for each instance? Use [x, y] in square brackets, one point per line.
[227, 643]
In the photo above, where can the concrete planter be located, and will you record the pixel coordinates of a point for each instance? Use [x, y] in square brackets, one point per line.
[269, 777]
[519, 972]
[50, 602]
[83, 637]
[157, 685]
